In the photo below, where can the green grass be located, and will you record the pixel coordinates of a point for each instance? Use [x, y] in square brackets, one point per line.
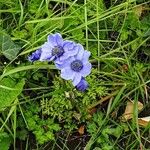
[118, 37]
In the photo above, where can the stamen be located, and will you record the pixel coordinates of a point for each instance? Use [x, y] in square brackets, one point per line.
[76, 65]
[57, 51]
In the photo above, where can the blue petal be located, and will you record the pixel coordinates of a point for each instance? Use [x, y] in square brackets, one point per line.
[58, 66]
[80, 52]
[62, 64]
[64, 57]
[54, 39]
[82, 85]
[67, 74]
[77, 79]
[68, 45]
[59, 39]
[35, 55]
[86, 56]
[72, 52]
[51, 40]
[86, 70]
[46, 53]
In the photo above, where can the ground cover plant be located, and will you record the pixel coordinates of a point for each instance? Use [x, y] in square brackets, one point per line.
[44, 106]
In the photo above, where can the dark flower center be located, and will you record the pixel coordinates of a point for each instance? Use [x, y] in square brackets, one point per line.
[57, 51]
[76, 65]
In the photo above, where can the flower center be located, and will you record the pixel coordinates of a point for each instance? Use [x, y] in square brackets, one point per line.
[76, 65]
[57, 51]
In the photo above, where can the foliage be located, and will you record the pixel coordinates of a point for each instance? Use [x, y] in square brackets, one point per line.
[5, 140]
[107, 133]
[7, 47]
[35, 103]
[42, 128]
[9, 91]
[67, 104]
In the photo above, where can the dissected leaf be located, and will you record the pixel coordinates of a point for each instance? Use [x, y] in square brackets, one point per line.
[5, 141]
[128, 114]
[7, 47]
[8, 96]
[144, 121]
[22, 134]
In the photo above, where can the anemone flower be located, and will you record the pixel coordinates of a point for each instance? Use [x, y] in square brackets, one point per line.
[76, 67]
[57, 49]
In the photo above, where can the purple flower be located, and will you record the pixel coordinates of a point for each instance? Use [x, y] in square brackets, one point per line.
[35, 55]
[82, 85]
[78, 47]
[76, 67]
[57, 49]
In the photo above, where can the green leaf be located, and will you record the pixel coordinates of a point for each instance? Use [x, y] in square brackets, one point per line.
[7, 47]
[23, 68]
[22, 134]
[4, 141]
[124, 35]
[8, 96]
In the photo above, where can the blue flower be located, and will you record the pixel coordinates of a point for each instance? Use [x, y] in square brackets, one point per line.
[76, 67]
[82, 85]
[35, 55]
[57, 49]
